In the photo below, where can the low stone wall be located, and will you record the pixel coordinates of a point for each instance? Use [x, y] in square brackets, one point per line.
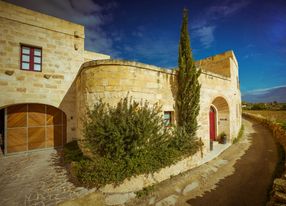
[139, 182]
[278, 132]
[278, 193]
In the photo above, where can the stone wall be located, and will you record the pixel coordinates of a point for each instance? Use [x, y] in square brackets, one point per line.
[218, 64]
[62, 44]
[111, 80]
[220, 80]
[278, 193]
[89, 56]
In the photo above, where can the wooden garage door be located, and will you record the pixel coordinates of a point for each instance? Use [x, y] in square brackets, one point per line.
[34, 126]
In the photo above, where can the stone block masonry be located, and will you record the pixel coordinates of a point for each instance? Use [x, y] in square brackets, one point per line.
[60, 60]
[111, 80]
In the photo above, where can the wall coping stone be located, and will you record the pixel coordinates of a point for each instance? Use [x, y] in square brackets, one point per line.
[94, 63]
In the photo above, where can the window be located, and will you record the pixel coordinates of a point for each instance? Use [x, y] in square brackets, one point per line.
[31, 58]
[167, 118]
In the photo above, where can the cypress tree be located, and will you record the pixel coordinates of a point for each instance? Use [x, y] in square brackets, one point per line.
[188, 94]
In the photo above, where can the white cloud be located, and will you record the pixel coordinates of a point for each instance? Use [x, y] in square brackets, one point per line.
[87, 7]
[226, 8]
[205, 24]
[251, 55]
[262, 91]
[139, 31]
[159, 48]
[206, 35]
[137, 34]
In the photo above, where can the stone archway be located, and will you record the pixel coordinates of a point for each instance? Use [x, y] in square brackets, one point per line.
[222, 120]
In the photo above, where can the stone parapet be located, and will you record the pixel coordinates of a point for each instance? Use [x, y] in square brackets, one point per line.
[90, 56]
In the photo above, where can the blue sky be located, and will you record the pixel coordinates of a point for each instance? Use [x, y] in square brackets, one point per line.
[148, 31]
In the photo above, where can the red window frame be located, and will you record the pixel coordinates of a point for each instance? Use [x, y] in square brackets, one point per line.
[31, 56]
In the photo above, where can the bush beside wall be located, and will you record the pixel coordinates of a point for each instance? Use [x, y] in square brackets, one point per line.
[128, 140]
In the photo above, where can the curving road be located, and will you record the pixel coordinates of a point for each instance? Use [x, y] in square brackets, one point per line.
[250, 183]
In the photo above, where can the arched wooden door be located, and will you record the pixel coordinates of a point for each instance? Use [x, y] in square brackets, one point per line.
[34, 126]
[212, 121]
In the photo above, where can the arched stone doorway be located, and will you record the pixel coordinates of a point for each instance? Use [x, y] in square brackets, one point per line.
[33, 126]
[219, 118]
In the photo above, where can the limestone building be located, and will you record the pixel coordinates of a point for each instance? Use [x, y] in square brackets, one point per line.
[47, 78]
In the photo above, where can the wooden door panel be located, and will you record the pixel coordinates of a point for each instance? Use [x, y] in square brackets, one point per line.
[64, 134]
[54, 116]
[17, 116]
[36, 138]
[58, 139]
[36, 115]
[16, 140]
[34, 126]
[50, 136]
[54, 136]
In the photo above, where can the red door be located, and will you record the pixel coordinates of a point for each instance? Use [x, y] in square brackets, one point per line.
[212, 124]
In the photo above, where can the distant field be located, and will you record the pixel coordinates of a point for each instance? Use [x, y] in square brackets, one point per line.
[279, 116]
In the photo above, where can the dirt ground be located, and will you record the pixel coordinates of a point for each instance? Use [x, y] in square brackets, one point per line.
[252, 177]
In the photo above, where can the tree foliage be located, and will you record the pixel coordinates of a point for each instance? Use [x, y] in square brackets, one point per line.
[127, 140]
[131, 139]
[188, 94]
[125, 130]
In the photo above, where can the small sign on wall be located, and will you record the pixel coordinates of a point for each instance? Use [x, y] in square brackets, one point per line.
[223, 119]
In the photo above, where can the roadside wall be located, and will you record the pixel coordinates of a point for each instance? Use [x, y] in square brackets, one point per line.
[278, 193]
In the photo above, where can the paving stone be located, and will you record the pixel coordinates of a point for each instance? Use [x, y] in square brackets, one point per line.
[152, 200]
[40, 203]
[35, 179]
[178, 190]
[118, 199]
[213, 168]
[33, 202]
[220, 162]
[168, 201]
[190, 187]
[50, 202]
[33, 196]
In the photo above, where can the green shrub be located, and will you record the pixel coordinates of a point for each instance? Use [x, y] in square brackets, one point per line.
[128, 140]
[283, 107]
[283, 125]
[72, 152]
[240, 133]
[258, 106]
[125, 130]
[145, 191]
